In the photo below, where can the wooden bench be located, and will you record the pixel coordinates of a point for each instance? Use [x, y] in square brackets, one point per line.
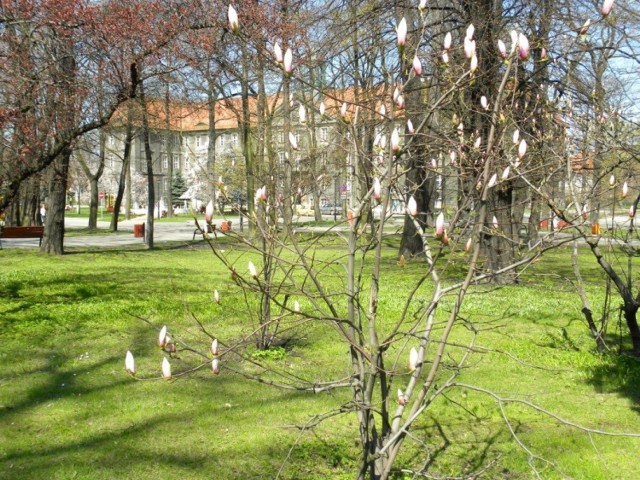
[22, 232]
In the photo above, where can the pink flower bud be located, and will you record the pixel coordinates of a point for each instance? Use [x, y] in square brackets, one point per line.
[516, 136]
[383, 111]
[413, 359]
[162, 337]
[477, 143]
[166, 368]
[612, 180]
[377, 189]
[129, 363]
[400, 102]
[288, 61]
[585, 211]
[396, 93]
[410, 128]
[625, 189]
[505, 173]
[417, 65]
[214, 347]
[343, 110]
[277, 52]
[502, 48]
[467, 246]
[215, 366]
[445, 57]
[606, 7]
[412, 207]
[494, 222]
[322, 108]
[402, 32]
[632, 212]
[484, 103]
[447, 41]
[523, 46]
[395, 140]
[296, 306]
[422, 5]
[514, 40]
[585, 27]
[522, 149]
[232, 15]
[440, 225]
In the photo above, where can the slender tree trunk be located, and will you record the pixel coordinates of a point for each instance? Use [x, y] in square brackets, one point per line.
[126, 161]
[53, 240]
[148, 232]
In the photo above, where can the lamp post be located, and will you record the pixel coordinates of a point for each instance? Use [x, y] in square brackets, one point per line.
[158, 181]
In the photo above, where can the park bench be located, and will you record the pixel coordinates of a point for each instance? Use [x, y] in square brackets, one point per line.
[22, 232]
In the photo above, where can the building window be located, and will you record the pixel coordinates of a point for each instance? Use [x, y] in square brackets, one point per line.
[323, 134]
[176, 162]
[197, 141]
[234, 140]
[298, 138]
[281, 136]
[112, 140]
[163, 140]
[323, 159]
[165, 161]
[111, 160]
[281, 158]
[176, 139]
[222, 141]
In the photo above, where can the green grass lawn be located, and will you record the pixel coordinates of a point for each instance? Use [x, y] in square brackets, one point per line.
[69, 410]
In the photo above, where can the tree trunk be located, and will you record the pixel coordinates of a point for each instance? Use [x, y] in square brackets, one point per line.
[148, 231]
[53, 240]
[94, 203]
[126, 159]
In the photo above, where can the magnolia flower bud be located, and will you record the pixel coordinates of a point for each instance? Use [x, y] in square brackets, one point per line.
[494, 222]
[523, 46]
[296, 306]
[410, 128]
[216, 296]
[505, 173]
[277, 52]
[395, 141]
[477, 143]
[377, 189]
[166, 368]
[232, 15]
[412, 207]
[293, 141]
[502, 48]
[447, 41]
[470, 31]
[129, 363]
[606, 7]
[473, 64]
[402, 32]
[343, 110]
[214, 347]
[417, 65]
[493, 180]
[162, 337]
[469, 47]
[522, 148]
[445, 57]
[302, 113]
[632, 212]
[422, 5]
[252, 269]
[440, 225]
[383, 111]
[484, 103]
[612, 180]
[400, 102]
[208, 212]
[413, 359]
[467, 246]
[516, 136]
[401, 399]
[215, 366]
[322, 108]
[625, 189]
[288, 61]
[514, 40]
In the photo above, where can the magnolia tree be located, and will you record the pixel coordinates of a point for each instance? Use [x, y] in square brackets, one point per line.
[396, 361]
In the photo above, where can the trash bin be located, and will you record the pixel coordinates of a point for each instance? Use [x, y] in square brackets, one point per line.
[138, 230]
[595, 228]
[225, 226]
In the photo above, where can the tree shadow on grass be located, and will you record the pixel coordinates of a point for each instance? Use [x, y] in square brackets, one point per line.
[618, 374]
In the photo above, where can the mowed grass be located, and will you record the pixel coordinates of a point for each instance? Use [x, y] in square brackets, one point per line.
[68, 409]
